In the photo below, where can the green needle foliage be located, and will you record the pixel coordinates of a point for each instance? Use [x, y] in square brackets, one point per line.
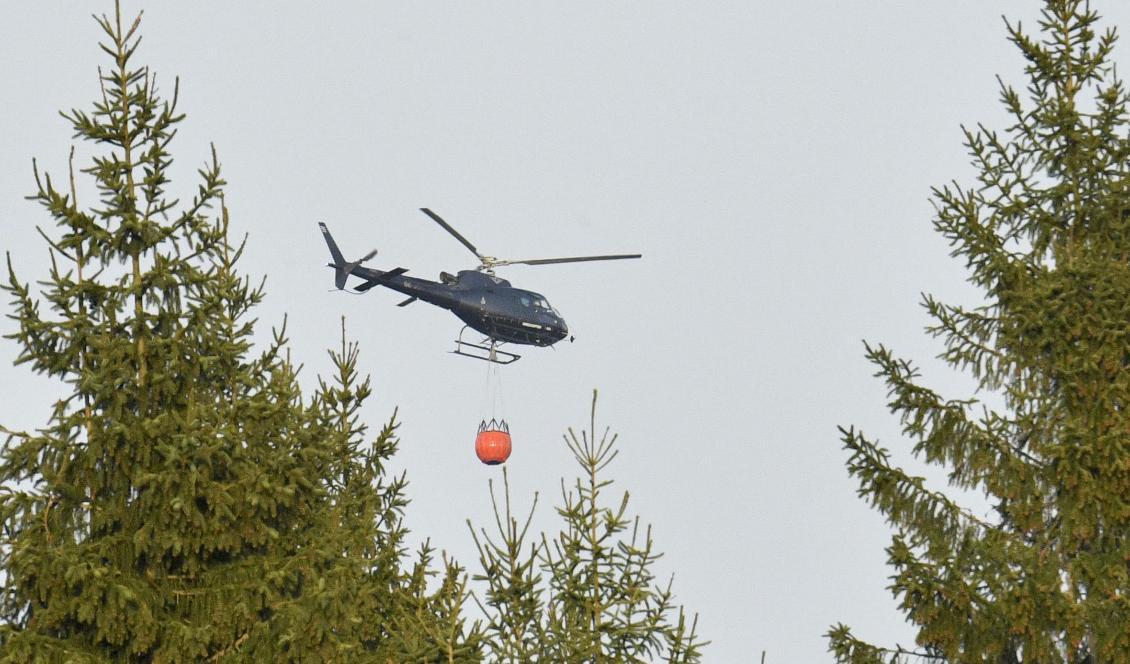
[184, 502]
[1045, 233]
[588, 594]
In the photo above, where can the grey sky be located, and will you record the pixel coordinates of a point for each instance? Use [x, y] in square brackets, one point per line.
[771, 160]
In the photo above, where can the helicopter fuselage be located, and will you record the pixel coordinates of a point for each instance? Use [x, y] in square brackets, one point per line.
[486, 303]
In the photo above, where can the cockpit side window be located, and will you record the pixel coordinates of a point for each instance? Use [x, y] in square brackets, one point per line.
[525, 300]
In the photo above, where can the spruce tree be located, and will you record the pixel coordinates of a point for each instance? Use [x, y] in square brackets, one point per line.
[588, 594]
[1044, 231]
[367, 606]
[184, 501]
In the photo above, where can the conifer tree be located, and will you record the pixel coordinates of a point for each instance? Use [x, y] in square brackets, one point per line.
[588, 594]
[367, 607]
[184, 502]
[1044, 231]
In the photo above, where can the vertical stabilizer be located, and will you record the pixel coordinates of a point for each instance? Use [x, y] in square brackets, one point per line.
[341, 268]
[334, 251]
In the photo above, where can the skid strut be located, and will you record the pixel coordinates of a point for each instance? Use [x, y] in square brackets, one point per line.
[487, 351]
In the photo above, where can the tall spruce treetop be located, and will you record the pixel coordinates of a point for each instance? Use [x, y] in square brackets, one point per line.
[184, 502]
[1045, 233]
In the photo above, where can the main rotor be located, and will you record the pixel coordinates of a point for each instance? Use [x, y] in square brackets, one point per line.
[488, 263]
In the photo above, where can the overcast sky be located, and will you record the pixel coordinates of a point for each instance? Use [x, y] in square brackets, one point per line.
[772, 161]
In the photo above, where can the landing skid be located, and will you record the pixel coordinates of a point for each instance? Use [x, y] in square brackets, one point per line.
[487, 351]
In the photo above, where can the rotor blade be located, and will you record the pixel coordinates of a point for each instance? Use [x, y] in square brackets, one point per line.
[575, 259]
[367, 256]
[447, 227]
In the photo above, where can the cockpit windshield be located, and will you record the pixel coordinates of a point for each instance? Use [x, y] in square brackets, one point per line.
[544, 304]
[537, 302]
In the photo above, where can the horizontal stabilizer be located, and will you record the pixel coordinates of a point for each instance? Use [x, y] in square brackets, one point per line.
[408, 301]
[381, 280]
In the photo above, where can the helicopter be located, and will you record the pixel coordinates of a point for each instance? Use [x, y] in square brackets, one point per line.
[487, 304]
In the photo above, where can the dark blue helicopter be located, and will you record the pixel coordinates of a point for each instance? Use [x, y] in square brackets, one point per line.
[486, 303]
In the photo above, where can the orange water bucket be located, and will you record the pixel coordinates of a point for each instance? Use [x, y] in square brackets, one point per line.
[492, 443]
